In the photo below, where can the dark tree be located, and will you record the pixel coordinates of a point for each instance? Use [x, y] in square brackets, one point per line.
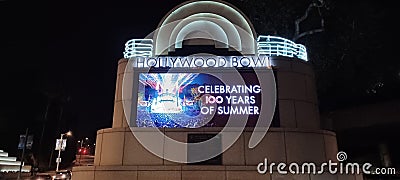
[350, 44]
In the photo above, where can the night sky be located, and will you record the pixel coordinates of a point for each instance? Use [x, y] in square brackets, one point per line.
[65, 54]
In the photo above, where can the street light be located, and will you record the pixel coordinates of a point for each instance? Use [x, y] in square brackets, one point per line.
[69, 133]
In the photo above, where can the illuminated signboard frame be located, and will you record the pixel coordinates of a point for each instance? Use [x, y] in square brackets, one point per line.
[251, 120]
[140, 51]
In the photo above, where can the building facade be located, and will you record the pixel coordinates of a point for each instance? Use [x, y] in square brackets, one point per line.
[144, 105]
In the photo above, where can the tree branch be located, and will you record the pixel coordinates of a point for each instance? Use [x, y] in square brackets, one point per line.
[297, 22]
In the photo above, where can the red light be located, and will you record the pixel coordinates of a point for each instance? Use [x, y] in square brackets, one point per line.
[84, 151]
[79, 150]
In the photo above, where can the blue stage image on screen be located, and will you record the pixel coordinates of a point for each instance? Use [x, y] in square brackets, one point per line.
[183, 100]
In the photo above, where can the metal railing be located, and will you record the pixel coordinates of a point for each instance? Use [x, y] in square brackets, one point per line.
[266, 45]
[277, 46]
[138, 48]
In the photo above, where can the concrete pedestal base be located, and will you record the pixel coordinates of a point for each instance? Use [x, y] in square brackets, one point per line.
[192, 173]
[120, 156]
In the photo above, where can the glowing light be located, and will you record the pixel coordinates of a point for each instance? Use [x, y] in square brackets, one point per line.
[266, 45]
[277, 46]
[186, 11]
[214, 31]
[14, 169]
[138, 48]
[8, 158]
[168, 86]
[228, 28]
[13, 163]
[10, 164]
[201, 61]
[168, 82]
[69, 133]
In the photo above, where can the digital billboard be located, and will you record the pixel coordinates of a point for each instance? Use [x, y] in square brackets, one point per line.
[192, 100]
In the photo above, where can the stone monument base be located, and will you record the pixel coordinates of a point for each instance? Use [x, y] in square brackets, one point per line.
[193, 173]
[120, 156]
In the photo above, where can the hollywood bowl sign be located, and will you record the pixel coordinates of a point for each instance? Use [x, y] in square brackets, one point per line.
[201, 61]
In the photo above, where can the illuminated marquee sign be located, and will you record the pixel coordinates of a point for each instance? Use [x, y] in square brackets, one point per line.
[192, 100]
[201, 61]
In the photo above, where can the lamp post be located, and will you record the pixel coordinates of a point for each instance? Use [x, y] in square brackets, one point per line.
[69, 133]
[23, 153]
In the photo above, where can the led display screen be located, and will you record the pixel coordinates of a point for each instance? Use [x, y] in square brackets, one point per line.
[191, 100]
